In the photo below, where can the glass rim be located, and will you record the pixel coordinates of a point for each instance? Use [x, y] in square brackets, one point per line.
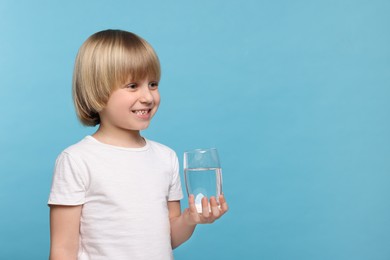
[201, 149]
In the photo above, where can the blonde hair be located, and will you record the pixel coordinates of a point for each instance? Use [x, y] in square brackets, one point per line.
[106, 60]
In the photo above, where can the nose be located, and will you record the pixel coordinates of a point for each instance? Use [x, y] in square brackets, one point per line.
[146, 96]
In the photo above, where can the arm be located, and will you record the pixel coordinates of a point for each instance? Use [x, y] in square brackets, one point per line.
[183, 224]
[64, 232]
[180, 230]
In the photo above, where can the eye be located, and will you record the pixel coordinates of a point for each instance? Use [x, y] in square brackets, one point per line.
[131, 86]
[153, 85]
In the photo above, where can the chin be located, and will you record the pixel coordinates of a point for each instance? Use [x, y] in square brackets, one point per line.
[143, 127]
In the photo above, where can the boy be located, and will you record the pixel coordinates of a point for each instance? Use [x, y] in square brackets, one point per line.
[116, 195]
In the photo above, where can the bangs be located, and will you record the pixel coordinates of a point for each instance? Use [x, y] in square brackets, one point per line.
[135, 60]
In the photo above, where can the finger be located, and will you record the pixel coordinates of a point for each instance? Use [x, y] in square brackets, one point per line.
[205, 207]
[191, 203]
[224, 205]
[214, 207]
[192, 209]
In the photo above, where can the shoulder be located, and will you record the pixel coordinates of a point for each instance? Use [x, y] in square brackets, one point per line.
[84, 144]
[162, 152]
[77, 150]
[160, 147]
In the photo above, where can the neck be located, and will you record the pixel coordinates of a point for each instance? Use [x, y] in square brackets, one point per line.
[119, 137]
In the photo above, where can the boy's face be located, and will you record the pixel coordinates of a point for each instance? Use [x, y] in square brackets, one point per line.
[131, 106]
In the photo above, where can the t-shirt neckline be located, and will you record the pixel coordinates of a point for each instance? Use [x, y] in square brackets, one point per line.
[138, 149]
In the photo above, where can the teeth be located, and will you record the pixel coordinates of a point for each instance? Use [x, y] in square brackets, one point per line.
[141, 112]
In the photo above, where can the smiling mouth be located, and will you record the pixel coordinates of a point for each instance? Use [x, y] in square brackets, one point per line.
[141, 112]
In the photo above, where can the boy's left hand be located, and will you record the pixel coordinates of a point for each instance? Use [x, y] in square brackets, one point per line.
[210, 212]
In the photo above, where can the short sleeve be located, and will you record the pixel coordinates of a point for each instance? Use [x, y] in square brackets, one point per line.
[175, 190]
[68, 186]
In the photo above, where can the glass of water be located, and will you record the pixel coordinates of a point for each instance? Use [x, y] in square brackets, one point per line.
[203, 174]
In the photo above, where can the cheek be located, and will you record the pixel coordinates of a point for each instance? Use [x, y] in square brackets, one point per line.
[120, 106]
[157, 99]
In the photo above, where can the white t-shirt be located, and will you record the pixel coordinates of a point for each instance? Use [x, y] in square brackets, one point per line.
[124, 193]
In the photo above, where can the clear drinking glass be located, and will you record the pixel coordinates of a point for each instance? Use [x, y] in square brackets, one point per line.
[203, 174]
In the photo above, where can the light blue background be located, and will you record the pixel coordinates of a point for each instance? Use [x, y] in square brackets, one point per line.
[294, 94]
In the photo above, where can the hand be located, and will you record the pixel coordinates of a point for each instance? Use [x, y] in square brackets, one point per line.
[210, 212]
